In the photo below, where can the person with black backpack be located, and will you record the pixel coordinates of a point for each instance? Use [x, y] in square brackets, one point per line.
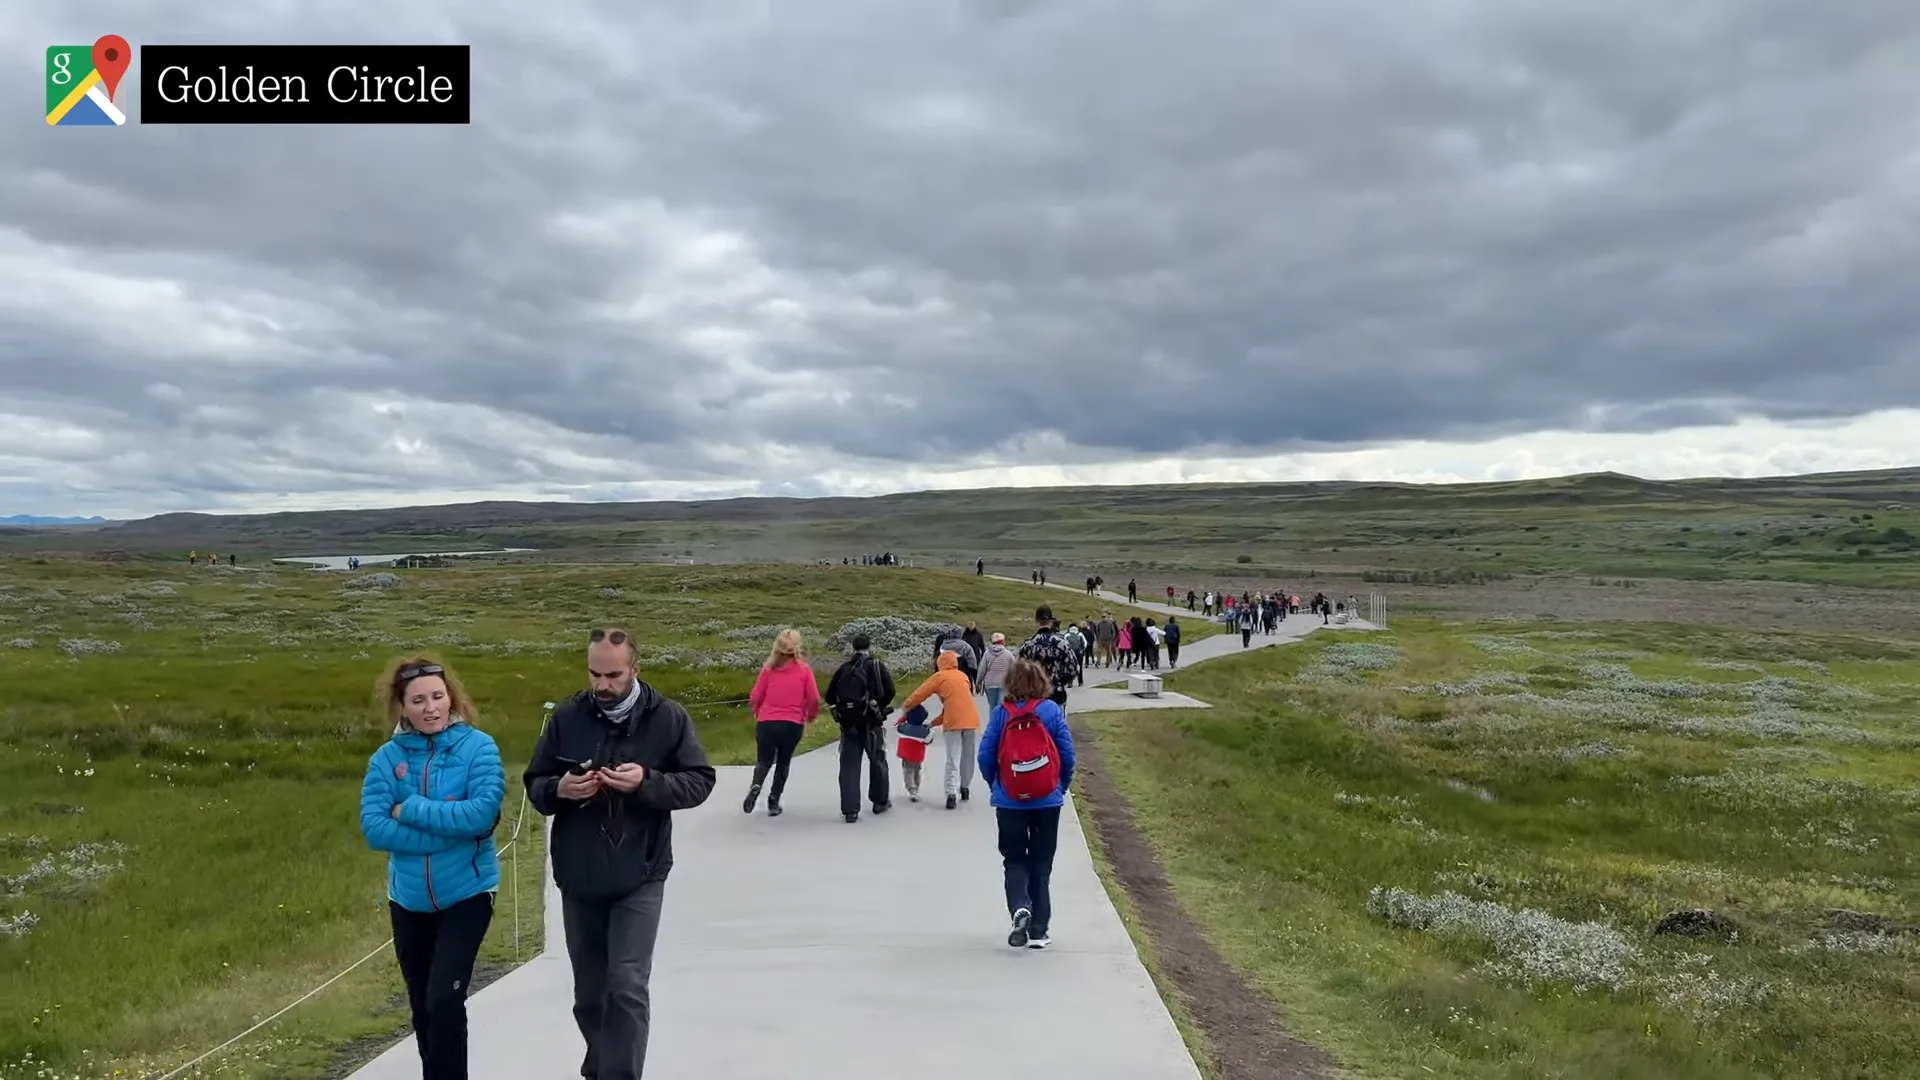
[860, 695]
[1053, 653]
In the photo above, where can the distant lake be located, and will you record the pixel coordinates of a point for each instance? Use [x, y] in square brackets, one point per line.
[339, 562]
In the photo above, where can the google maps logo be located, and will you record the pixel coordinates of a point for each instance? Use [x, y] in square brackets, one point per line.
[75, 75]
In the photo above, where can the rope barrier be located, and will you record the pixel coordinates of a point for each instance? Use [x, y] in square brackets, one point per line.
[512, 845]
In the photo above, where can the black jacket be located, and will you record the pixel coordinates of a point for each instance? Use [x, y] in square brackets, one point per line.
[880, 683]
[612, 844]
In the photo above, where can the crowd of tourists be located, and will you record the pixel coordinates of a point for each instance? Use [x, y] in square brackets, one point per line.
[618, 758]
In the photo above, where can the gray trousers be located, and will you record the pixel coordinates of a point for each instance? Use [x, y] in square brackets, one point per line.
[610, 944]
[963, 749]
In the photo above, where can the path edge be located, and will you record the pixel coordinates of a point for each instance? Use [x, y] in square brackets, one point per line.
[1246, 1043]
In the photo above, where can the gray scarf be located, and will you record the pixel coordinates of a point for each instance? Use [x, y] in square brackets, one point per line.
[617, 714]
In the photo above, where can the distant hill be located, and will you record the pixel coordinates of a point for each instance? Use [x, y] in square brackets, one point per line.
[1830, 527]
[31, 520]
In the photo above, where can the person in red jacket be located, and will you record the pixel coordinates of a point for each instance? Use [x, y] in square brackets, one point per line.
[785, 699]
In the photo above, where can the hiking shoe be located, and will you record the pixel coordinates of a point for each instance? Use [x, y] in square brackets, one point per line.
[882, 807]
[851, 818]
[1039, 941]
[753, 796]
[952, 802]
[1018, 938]
[773, 809]
[965, 794]
[913, 796]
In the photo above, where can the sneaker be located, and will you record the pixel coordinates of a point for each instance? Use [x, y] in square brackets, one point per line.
[1018, 938]
[952, 802]
[913, 796]
[965, 794]
[851, 818]
[773, 809]
[881, 808]
[1039, 940]
[753, 796]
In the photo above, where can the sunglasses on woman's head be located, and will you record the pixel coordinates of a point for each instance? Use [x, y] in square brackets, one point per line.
[411, 673]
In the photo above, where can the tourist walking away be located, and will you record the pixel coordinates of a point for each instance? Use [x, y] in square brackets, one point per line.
[1126, 643]
[959, 722]
[614, 763]
[963, 651]
[785, 699]
[979, 568]
[1026, 754]
[1133, 591]
[1048, 649]
[860, 695]
[1172, 634]
[435, 788]
[976, 641]
[995, 663]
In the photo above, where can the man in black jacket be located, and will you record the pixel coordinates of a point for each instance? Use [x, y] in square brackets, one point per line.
[611, 767]
[860, 695]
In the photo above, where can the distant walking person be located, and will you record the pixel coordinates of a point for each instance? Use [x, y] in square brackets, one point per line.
[1249, 620]
[435, 788]
[1026, 755]
[785, 699]
[1133, 591]
[860, 694]
[979, 568]
[959, 719]
[614, 763]
[1172, 634]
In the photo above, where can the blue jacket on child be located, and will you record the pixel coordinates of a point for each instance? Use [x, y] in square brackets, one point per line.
[1056, 723]
[449, 787]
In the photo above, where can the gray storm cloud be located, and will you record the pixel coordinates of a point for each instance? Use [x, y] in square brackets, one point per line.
[730, 244]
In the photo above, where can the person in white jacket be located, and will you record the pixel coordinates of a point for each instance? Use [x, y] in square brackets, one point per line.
[994, 667]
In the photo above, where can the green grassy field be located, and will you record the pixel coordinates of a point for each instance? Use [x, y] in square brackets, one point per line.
[1442, 850]
[183, 751]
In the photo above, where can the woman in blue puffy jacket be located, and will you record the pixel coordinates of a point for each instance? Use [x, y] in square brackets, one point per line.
[431, 800]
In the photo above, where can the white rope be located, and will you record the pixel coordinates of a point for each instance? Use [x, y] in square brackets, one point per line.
[510, 845]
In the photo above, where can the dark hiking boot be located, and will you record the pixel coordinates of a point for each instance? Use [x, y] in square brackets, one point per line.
[883, 807]
[851, 818]
[1018, 938]
[952, 801]
[965, 795]
[753, 796]
[773, 807]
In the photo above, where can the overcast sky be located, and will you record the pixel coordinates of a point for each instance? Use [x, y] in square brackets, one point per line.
[705, 247]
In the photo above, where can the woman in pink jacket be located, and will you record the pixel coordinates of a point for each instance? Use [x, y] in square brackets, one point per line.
[785, 699]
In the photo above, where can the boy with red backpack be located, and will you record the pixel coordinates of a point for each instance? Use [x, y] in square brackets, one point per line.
[1026, 756]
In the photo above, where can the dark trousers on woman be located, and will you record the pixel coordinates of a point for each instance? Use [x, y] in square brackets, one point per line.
[777, 739]
[1027, 842]
[1246, 636]
[1173, 654]
[436, 950]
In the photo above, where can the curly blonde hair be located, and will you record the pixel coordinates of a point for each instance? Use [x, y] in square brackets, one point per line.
[390, 690]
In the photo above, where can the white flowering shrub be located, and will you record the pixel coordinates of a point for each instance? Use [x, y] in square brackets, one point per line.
[911, 639]
[20, 643]
[19, 925]
[87, 646]
[1763, 790]
[376, 581]
[1528, 946]
[78, 864]
[1348, 661]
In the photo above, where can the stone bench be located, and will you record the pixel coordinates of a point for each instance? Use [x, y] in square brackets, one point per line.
[1140, 685]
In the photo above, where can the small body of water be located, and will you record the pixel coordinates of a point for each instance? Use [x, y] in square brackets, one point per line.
[339, 562]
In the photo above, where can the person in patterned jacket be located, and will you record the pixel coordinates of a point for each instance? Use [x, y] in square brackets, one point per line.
[1048, 648]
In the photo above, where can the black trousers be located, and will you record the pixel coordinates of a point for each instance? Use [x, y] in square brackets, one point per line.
[436, 950]
[1028, 839]
[869, 741]
[1173, 652]
[777, 739]
[1246, 635]
[610, 945]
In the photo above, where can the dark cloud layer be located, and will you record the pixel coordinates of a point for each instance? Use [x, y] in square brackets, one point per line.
[689, 247]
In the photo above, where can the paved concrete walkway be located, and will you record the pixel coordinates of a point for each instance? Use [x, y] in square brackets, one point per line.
[802, 947]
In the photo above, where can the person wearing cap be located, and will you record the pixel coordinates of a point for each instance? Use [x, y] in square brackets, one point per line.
[431, 800]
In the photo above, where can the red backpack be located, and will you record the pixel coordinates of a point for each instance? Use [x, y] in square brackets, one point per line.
[1029, 760]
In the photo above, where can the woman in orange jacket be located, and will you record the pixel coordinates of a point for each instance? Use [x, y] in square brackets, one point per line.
[959, 719]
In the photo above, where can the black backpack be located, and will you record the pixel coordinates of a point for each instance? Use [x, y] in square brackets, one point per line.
[853, 700]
